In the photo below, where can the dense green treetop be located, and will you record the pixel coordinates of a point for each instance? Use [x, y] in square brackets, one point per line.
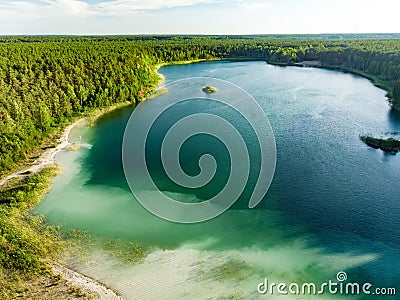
[45, 81]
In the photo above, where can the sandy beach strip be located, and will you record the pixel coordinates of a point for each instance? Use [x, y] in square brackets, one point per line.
[47, 158]
[85, 283]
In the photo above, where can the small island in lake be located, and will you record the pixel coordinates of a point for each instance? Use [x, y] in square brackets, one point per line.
[388, 145]
[210, 89]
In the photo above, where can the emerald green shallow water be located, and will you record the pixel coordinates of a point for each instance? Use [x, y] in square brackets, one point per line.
[333, 204]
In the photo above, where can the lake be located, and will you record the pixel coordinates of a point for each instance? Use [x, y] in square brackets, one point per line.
[333, 204]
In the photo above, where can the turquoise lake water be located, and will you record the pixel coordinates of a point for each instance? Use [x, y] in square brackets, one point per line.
[333, 205]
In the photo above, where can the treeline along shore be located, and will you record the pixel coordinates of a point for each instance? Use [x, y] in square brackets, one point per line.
[47, 82]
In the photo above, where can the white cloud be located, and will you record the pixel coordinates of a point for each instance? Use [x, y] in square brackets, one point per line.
[79, 8]
[126, 6]
[254, 6]
[251, 5]
[44, 9]
[69, 7]
[195, 16]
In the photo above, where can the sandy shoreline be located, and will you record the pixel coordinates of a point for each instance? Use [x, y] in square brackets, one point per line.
[81, 281]
[47, 158]
[76, 279]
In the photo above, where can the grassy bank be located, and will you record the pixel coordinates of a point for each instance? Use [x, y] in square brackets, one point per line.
[26, 243]
[25, 239]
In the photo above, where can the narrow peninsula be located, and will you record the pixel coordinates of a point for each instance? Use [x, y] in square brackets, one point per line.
[387, 145]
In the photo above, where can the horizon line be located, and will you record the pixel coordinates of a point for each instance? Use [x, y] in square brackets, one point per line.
[196, 34]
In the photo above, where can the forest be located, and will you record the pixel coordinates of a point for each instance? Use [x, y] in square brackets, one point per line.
[46, 81]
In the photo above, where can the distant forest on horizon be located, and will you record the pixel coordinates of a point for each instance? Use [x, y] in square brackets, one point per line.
[325, 36]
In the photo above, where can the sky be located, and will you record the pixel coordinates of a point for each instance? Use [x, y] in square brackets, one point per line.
[198, 16]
